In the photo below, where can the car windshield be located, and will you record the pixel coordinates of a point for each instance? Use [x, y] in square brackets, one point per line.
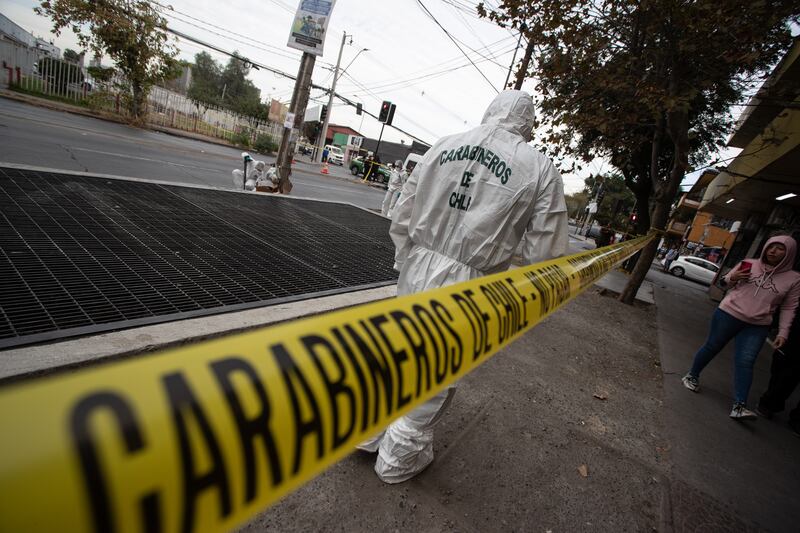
[335, 150]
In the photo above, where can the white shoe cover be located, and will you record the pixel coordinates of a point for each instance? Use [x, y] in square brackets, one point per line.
[371, 445]
[406, 448]
[404, 452]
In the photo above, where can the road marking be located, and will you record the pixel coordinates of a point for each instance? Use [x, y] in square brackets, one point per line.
[145, 159]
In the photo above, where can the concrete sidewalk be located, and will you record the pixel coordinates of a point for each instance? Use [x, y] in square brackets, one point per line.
[584, 388]
[727, 476]
[560, 432]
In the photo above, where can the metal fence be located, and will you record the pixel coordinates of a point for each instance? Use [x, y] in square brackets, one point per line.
[32, 71]
[173, 110]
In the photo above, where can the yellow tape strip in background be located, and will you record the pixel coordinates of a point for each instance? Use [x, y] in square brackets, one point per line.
[204, 437]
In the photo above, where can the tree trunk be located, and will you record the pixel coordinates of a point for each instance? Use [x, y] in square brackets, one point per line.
[137, 108]
[678, 128]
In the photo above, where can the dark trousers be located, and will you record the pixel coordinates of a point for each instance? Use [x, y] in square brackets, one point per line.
[783, 379]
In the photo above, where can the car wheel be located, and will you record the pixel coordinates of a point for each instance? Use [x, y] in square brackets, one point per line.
[678, 271]
[354, 170]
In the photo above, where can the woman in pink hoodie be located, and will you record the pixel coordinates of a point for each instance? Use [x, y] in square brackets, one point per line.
[759, 288]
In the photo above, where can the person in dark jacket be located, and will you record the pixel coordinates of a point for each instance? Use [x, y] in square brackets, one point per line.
[783, 379]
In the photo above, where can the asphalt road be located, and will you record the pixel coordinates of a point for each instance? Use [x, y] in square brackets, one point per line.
[42, 137]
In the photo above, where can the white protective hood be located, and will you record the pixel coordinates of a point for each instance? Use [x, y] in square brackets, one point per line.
[513, 111]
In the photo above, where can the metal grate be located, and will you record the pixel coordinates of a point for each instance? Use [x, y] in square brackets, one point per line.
[86, 254]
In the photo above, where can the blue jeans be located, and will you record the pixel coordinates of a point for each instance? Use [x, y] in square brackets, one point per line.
[749, 340]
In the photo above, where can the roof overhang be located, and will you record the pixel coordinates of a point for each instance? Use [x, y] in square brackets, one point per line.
[778, 91]
[766, 168]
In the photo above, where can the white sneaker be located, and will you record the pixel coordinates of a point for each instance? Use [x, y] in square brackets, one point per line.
[740, 412]
[691, 383]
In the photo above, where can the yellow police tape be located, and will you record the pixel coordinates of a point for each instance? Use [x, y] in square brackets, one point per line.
[204, 437]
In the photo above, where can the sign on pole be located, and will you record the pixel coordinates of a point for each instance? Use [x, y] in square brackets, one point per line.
[289, 123]
[310, 24]
[593, 207]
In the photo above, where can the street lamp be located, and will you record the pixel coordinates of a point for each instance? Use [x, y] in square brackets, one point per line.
[324, 131]
[352, 60]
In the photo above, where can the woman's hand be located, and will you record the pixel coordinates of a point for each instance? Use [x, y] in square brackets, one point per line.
[739, 275]
[779, 342]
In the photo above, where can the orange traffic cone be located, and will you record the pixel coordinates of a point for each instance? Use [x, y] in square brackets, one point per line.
[324, 169]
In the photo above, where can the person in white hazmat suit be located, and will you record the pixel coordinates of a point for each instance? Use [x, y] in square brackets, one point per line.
[246, 179]
[396, 181]
[474, 199]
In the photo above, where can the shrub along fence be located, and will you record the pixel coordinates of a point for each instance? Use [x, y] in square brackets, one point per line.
[31, 71]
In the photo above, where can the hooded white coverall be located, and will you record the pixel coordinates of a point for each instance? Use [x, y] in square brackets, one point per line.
[396, 181]
[464, 211]
[251, 173]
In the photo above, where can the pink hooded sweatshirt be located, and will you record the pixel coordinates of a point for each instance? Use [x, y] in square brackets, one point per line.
[755, 300]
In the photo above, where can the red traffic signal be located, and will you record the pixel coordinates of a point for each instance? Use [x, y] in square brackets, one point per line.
[384, 114]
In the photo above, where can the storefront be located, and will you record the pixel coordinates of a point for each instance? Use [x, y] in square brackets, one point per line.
[761, 186]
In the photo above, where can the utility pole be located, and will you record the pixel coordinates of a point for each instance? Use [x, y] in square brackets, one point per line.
[297, 107]
[324, 132]
[522, 28]
[523, 68]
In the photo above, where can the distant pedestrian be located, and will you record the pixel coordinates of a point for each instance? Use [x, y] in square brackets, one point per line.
[760, 287]
[325, 154]
[784, 378]
[671, 255]
[396, 180]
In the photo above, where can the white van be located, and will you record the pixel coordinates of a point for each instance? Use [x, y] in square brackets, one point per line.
[335, 154]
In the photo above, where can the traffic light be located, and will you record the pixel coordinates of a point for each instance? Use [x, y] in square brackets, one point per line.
[358, 108]
[324, 113]
[391, 115]
[385, 107]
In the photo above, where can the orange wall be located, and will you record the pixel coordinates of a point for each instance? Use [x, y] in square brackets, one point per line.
[716, 236]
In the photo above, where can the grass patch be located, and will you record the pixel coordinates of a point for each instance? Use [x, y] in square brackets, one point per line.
[39, 94]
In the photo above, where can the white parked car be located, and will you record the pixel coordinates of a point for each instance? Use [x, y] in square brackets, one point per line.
[694, 268]
[335, 155]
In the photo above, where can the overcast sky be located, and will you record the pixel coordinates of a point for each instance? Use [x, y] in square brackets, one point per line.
[410, 61]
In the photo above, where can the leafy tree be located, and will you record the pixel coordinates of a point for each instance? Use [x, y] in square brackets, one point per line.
[228, 87]
[71, 56]
[241, 95]
[576, 203]
[102, 74]
[132, 33]
[618, 201]
[205, 89]
[649, 84]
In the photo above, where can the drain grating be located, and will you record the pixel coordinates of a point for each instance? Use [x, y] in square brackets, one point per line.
[84, 254]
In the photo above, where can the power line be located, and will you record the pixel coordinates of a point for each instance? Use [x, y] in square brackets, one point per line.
[401, 84]
[249, 43]
[285, 75]
[457, 46]
[449, 63]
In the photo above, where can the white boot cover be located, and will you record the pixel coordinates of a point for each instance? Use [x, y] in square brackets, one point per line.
[407, 447]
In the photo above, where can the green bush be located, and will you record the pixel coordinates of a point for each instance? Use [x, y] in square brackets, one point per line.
[265, 144]
[241, 138]
[100, 100]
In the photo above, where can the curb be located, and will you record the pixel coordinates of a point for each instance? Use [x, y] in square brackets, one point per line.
[58, 106]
